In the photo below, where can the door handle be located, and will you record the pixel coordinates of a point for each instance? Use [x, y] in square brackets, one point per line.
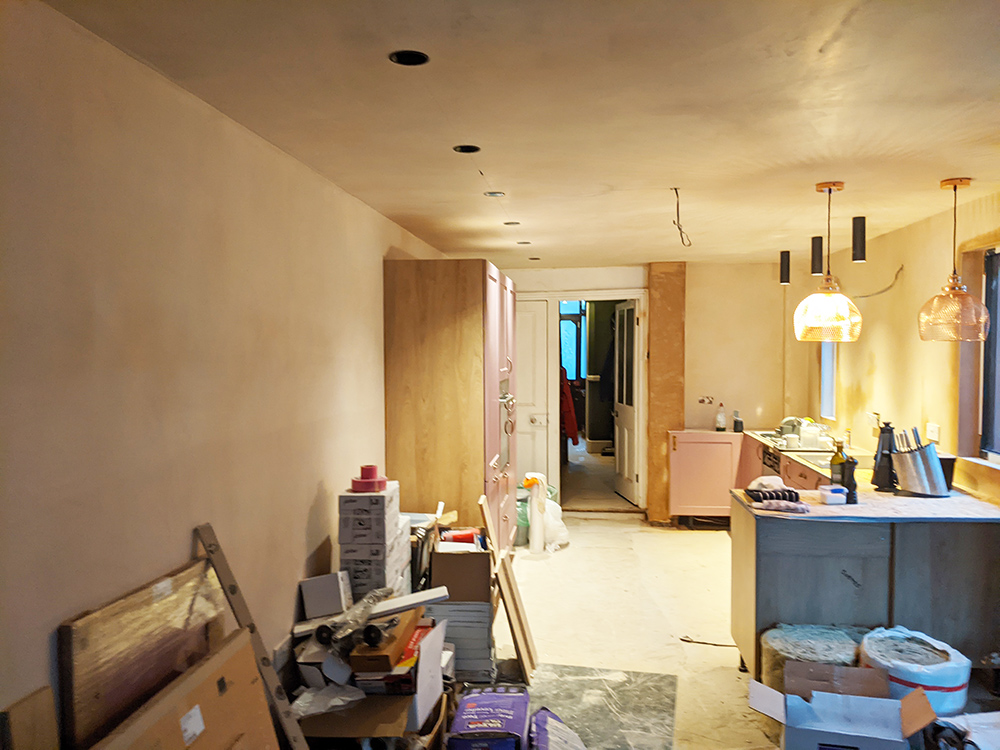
[675, 441]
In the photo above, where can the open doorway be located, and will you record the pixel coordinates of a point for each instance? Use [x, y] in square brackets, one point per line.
[598, 357]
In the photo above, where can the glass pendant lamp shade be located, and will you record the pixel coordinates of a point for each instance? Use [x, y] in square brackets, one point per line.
[827, 315]
[954, 315]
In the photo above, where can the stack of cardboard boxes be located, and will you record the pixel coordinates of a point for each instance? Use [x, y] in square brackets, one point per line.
[375, 541]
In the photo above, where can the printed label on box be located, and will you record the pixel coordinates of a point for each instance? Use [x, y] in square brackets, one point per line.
[192, 725]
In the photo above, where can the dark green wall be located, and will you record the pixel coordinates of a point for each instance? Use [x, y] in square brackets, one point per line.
[599, 338]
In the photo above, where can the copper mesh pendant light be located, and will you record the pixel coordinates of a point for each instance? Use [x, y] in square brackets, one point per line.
[954, 314]
[826, 314]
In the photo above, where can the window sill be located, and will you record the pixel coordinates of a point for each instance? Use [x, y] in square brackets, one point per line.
[978, 477]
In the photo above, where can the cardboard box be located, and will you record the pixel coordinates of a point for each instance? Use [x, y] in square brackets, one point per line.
[493, 718]
[384, 657]
[398, 545]
[326, 595]
[401, 679]
[389, 715]
[383, 503]
[829, 706]
[466, 574]
[219, 703]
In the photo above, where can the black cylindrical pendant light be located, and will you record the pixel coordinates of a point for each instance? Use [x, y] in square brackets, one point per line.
[858, 240]
[785, 267]
[817, 256]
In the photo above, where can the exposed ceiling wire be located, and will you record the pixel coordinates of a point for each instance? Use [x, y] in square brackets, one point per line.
[882, 291]
[685, 240]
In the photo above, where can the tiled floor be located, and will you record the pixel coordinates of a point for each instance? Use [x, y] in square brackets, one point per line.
[588, 483]
[621, 596]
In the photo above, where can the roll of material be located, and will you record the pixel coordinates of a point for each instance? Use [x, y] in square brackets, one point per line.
[818, 644]
[914, 660]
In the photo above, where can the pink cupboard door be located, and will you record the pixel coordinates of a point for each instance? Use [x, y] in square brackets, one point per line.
[492, 338]
[507, 526]
[702, 471]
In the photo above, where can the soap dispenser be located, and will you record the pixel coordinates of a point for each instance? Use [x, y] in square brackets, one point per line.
[720, 418]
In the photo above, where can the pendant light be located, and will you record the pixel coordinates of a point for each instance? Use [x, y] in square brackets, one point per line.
[826, 314]
[954, 314]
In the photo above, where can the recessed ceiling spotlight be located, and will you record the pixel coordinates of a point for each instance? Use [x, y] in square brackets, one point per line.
[409, 57]
[511, 223]
[466, 148]
[523, 242]
[534, 258]
[493, 194]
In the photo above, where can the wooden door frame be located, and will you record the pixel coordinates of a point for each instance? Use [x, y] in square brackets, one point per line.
[641, 297]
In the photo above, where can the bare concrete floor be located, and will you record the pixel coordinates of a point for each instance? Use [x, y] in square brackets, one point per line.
[622, 595]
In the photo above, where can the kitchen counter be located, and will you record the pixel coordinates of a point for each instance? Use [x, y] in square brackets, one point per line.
[925, 563]
[816, 459]
[883, 507]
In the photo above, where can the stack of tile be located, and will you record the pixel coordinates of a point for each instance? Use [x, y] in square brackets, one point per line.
[470, 630]
[375, 541]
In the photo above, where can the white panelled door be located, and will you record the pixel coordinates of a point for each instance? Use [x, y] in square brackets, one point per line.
[532, 390]
[626, 440]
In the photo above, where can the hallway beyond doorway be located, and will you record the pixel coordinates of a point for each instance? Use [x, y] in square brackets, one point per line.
[588, 483]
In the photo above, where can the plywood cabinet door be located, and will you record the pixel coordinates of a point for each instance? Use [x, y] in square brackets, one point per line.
[449, 363]
[702, 471]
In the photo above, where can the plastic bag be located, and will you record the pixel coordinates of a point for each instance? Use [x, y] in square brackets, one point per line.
[320, 700]
[946, 683]
[549, 732]
[556, 533]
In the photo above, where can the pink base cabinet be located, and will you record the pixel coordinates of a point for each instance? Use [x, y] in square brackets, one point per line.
[702, 468]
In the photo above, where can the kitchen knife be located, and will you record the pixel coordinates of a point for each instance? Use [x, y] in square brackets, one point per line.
[916, 436]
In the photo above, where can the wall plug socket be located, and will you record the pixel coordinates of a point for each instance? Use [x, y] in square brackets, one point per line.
[933, 432]
[706, 400]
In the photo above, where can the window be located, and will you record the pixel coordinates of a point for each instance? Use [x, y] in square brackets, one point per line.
[991, 358]
[828, 380]
[573, 338]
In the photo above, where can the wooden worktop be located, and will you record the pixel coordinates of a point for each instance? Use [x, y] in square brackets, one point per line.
[883, 507]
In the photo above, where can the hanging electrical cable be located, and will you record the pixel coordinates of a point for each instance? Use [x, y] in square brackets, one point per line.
[685, 240]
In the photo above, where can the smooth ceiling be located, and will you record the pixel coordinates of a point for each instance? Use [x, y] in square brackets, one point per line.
[589, 112]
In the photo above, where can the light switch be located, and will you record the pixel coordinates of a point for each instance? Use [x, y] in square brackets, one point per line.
[933, 432]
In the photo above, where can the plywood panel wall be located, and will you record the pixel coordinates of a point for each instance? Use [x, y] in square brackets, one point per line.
[666, 377]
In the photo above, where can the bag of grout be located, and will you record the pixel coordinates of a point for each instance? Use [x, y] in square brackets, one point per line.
[914, 660]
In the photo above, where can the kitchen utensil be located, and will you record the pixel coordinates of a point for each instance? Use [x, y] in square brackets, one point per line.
[883, 476]
[919, 472]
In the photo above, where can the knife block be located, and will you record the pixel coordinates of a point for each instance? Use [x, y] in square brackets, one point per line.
[919, 472]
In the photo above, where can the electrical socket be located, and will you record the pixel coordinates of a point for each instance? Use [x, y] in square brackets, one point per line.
[933, 432]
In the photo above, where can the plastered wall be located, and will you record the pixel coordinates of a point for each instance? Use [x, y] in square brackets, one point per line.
[190, 331]
[889, 369]
[576, 279]
[733, 329]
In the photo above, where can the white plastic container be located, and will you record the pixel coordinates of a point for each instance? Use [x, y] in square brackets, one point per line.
[833, 494]
[946, 684]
